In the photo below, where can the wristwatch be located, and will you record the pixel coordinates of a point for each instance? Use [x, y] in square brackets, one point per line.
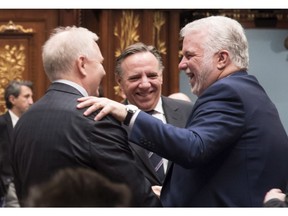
[131, 109]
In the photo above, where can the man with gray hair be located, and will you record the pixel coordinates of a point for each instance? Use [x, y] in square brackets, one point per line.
[54, 134]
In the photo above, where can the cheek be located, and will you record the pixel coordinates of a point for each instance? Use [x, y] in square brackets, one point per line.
[129, 88]
[157, 83]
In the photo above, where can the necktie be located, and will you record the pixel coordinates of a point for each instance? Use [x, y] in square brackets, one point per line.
[157, 163]
[156, 160]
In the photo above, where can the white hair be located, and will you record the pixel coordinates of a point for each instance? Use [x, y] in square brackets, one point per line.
[63, 47]
[222, 33]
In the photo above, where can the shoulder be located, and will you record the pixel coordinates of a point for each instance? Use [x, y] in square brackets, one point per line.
[173, 101]
[180, 107]
[4, 118]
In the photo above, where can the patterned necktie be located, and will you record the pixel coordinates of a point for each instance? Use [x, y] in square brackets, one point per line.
[156, 160]
[157, 163]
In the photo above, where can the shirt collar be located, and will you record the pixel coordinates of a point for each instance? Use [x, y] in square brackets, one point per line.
[14, 118]
[73, 84]
[159, 107]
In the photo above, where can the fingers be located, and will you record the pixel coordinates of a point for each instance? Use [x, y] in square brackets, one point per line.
[274, 193]
[106, 105]
[86, 101]
[93, 104]
[157, 190]
[105, 111]
[83, 99]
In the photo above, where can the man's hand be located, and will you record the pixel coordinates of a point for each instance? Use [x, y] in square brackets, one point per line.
[157, 190]
[274, 193]
[106, 105]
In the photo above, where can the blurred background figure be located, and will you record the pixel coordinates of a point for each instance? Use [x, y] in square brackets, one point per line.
[18, 98]
[79, 187]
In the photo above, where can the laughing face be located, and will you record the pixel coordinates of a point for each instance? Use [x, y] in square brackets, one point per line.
[141, 80]
[198, 65]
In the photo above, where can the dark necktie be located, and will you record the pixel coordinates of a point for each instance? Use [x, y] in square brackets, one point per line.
[156, 160]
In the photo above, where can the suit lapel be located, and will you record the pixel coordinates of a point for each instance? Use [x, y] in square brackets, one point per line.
[172, 115]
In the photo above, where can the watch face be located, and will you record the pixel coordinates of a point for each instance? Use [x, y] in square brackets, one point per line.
[131, 108]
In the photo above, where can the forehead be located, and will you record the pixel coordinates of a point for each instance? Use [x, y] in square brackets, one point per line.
[140, 59]
[98, 51]
[192, 41]
[25, 89]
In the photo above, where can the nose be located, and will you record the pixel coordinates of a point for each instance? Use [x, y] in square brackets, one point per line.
[31, 100]
[183, 64]
[145, 82]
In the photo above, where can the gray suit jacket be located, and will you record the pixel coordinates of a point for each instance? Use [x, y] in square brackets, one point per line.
[176, 113]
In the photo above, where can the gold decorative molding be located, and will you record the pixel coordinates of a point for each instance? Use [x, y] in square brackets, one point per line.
[12, 61]
[11, 27]
[126, 31]
[12, 66]
[158, 22]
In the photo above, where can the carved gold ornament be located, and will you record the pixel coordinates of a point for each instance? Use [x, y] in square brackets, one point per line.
[127, 30]
[11, 27]
[12, 66]
[159, 21]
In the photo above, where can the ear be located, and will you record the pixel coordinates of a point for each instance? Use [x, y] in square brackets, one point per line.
[81, 64]
[12, 99]
[118, 79]
[223, 59]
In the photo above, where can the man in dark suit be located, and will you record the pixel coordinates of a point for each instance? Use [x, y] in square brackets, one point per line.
[54, 134]
[234, 147]
[139, 73]
[18, 97]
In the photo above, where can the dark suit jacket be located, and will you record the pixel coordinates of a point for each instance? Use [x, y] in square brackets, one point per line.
[6, 129]
[53, 134]
[176, 113]
[233, 151]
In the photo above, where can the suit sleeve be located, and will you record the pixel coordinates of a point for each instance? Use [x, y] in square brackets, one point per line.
[217, 121]
[112, 156]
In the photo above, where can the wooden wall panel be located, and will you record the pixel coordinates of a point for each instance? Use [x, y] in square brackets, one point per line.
[119, 28]
[38, 21]
[41, 22]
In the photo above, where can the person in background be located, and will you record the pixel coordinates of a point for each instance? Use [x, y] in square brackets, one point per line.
[54, 134]
[18, 97]
[234, 147]
[78, 187]
[139, 74]
[180, 96]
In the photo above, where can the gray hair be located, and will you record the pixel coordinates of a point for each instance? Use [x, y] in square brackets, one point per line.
[14, 88]
[64, 46]
[222, 33]
[133, 49]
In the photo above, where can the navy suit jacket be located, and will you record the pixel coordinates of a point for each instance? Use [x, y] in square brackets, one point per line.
[176, 113]
[233, 150]
[54, 134]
